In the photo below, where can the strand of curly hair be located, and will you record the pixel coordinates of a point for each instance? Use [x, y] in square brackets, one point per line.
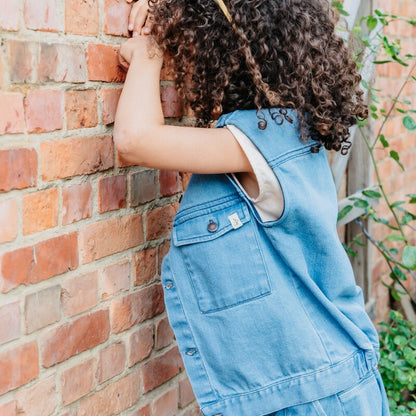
[278, 54]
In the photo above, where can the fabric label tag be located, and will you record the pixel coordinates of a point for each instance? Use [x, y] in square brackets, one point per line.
[235, 220]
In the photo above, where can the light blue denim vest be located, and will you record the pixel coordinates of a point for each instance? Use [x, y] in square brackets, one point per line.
[267, 315]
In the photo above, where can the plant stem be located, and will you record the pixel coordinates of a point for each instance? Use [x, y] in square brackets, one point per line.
[386, 257]
[393, 106]
[380, 185]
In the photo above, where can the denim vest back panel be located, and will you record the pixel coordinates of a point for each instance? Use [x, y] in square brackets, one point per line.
[264, 313]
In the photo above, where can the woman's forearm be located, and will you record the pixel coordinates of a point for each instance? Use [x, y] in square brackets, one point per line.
[139, 109]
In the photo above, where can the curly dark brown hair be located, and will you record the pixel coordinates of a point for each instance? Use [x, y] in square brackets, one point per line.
[277, 53]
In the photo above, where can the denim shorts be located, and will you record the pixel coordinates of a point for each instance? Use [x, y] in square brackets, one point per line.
[365, 398]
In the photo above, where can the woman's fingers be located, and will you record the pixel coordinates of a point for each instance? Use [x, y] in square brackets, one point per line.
[138, 18]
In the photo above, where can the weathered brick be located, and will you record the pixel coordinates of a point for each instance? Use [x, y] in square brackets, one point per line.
[8, 409]
[111, 236]
[115, 279]
[112, 193]
[186, 177]
[136, 307]
[18, 169]
[10, 15]
[76, 203]
[166, 404]
[9, 322]
[12, 116]
[111, 362]
[8, 220]
[143, 187]
[144, 266]
[160, 369]
[164, 334]
[142, 411]
[42, 308]
[44, 110]
[40, 211]
[113, 399]
[81, 109]
[23, 60]
[192, 411]
[141, 344]
[159, 221]
[81, 17]
[186, 394]
[77, 381]
[103, 63]
[62, 63]
[162, 251]
[40, 262]
[74, 337]
[79, 156]
[80, 293]
[18, 366]
[42, 15]
[170, 182]
[172, 105]
[116, 15]
[110, 98]
[38, 400]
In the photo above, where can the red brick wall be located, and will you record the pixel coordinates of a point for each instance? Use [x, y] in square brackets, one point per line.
[397, 183]
[83, 327]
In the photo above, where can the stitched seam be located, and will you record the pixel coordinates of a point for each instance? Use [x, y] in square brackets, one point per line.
[193, 338]
[195, 210]
[321, 370]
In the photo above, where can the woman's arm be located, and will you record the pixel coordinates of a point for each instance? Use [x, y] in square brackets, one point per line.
[141, 136]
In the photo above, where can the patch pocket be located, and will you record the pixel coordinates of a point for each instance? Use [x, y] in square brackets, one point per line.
[220, 247]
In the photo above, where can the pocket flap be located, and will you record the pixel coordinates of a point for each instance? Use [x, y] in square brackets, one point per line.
[210, 223]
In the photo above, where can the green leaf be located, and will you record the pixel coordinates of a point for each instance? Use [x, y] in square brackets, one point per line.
[371, 23]
[366, 85]
[395, 237]
[395, 156]
[344, 212]
[409, 123]
[400, 340]
[383, 141]
[361, 203]
[398, 272]
[371, 194]
[339, 6]
[382, 62]
[409, 257]
[412, 198]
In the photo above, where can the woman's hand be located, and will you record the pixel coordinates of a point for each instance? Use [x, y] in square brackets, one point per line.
[144, 49]
[139, 23]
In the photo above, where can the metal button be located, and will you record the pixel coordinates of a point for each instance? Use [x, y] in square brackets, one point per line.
[212, 226]
[169, 285]
[191, 351]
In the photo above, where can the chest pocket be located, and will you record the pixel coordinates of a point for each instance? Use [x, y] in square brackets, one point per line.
[220, 247]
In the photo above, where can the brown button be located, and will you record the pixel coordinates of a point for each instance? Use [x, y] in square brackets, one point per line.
[212, 226]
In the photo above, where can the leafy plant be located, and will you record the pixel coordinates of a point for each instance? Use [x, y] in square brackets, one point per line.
[394, 245]
[398, 337]
[398, 364]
